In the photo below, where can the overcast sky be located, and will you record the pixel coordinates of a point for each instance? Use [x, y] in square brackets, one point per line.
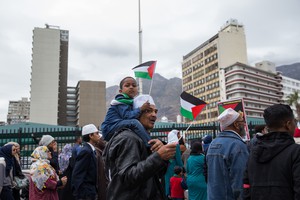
[103, 40]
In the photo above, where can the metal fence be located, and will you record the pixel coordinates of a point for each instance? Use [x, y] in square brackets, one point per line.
[29, 138]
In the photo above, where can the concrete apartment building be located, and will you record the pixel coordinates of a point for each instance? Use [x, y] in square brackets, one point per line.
[49, 75]
[52, 101]
[18, 111]
[217, 71]
[86, 103]
[201, 67]
[290, 86]
[259, 86]
[71, 106]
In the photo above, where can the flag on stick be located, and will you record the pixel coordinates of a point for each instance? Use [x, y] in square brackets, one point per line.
[145, 70]
[190, 105]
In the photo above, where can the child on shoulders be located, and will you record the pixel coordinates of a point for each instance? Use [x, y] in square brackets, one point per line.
[122, 114]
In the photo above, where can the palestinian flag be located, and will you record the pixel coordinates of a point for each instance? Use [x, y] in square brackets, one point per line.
[190, 105]
[145, 70]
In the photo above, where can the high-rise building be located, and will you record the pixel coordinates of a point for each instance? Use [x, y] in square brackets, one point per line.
[259, 87]
[90, 102]
[49, 75]
[290, 86]
[86, 103]
[71, 106]
[201, 67]
[18, 111]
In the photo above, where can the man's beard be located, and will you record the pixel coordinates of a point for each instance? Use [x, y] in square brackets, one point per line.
[242, 131]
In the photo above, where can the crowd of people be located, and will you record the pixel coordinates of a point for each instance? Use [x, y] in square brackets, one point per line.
[124, 163]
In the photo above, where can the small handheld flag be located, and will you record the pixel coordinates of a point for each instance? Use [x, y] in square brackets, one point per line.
[145, 70]
[190, 105]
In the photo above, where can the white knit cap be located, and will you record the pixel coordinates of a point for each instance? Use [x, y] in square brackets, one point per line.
[141, 99]
[227, 117]
[88, 129]
[46, 140]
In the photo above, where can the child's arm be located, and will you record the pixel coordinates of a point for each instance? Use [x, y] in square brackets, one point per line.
[126, 111]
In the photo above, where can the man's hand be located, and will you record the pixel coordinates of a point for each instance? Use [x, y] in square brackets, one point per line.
[64, 180]
[166, 152]
[155, 144]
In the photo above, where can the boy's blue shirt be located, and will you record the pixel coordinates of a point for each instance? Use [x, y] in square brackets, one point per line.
[120, 109]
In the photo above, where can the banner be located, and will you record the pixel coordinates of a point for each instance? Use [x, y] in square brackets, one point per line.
[238, 106]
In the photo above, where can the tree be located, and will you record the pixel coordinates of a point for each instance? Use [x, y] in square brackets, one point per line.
[293, 99]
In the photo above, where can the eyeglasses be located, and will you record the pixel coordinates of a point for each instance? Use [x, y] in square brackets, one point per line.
[241, 121]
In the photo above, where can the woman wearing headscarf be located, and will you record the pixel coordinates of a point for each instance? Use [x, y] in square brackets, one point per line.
[6, 171]
[51, 144]
[17, 171]
[194, 168]
[64, 157]
[66, 166]
[43, 178]
[176, 161]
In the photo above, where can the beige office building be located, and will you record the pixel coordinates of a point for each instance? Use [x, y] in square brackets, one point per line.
[90, 102]
[201, 67]
[49, 73]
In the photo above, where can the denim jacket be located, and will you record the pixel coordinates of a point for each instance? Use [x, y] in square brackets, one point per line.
[226, 160]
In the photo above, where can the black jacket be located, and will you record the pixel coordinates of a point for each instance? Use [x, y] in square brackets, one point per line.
[54, 161]
[84, 175]
[134, 170]
[273, 169]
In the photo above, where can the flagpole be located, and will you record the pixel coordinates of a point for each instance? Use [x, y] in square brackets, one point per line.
[140, 47]
[189, 125]
[151, 84]
[188, 128]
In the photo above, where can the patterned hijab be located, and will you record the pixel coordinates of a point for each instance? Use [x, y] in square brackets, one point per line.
[41, 170]
[64, 156]
[6, 153]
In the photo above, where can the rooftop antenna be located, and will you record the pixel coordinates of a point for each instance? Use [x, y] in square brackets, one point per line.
[51, 26]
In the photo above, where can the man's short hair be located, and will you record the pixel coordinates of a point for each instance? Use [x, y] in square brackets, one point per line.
[196, 147]
[123, 80]
[77, 138]
[276, 115]
[259, 128]
[86, 138]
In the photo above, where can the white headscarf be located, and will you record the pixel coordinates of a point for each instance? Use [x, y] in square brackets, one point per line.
[46, 140]
[172, 136]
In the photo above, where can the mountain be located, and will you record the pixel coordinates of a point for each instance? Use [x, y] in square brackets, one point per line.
[165, 92]
[291, 71]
